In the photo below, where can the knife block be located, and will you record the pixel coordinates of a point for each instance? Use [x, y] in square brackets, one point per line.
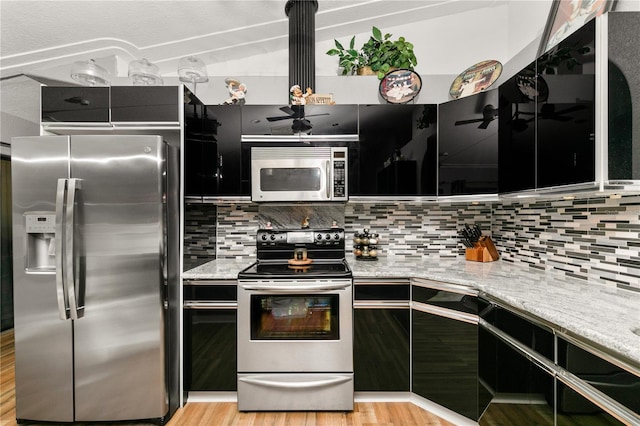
[483, 251]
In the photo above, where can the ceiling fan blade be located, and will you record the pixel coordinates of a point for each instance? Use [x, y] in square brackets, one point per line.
[571, 109]
[461, 122]
[484, 124]
[287, 110]
[282, 117]
[316, 115]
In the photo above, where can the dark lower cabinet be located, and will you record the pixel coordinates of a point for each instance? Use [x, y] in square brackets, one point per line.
[381, 349]
[518, 386]
[445, 362]
[210, 344]
[537, 378]
[604, 376]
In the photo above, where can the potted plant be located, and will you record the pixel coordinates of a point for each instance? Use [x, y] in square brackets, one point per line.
[379, 52]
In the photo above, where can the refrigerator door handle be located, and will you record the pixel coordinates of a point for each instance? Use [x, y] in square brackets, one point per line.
[76, 311]
[63, 302]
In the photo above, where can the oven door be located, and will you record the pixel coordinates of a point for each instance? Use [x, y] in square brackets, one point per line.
[295, 326]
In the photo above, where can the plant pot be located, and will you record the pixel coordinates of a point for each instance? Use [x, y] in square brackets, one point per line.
[366, 70]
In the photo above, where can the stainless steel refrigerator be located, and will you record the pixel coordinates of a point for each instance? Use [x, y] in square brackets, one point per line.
[95, 245]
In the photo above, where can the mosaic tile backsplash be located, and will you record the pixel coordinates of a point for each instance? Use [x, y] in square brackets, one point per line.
[591, 238]
[595, 238]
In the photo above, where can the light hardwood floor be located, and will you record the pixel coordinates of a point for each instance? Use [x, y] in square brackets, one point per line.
[225, 413]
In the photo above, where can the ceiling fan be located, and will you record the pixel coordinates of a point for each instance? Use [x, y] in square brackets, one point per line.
[489, 113]
[295, 112]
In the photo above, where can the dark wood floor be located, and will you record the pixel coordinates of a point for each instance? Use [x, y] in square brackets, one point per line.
[226, 413]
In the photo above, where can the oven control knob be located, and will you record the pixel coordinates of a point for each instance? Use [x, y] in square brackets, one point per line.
[328, 236]
[264, 237]
[273, 237]
[336, 237]
[319, 237]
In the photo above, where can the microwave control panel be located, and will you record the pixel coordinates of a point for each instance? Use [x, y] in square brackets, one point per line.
[339, 162]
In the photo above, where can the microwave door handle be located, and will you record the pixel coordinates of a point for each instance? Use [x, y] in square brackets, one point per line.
[70, 264]
[63, 302]
[328, 170]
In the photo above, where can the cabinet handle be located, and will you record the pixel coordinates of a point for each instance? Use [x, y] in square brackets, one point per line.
[189, 304]
[446, 313]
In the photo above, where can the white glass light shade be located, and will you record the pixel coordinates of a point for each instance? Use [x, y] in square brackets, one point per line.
[89, 73]
[144, 73]
[192, 70]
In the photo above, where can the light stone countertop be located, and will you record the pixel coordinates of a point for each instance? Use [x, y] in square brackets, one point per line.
[606, 316]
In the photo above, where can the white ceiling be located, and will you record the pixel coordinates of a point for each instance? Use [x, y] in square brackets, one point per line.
[40, 35]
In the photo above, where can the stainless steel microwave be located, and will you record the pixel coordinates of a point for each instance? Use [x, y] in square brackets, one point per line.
[299, 173]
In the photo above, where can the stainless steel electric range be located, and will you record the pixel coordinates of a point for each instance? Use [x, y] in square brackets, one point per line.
[295, 323]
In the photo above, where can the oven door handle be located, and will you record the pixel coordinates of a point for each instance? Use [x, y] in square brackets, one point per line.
[306, 384]
[290, 288]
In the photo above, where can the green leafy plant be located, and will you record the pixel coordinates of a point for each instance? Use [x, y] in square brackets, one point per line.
[348, 59]
[379, 52]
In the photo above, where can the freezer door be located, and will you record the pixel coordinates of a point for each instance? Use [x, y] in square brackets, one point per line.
[119, 336]
[43, 341]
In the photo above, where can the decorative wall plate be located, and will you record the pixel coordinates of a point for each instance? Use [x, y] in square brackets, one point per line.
[400, 86]
[475, 79]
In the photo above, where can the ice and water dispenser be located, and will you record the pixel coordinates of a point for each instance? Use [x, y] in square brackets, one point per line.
[40, 229]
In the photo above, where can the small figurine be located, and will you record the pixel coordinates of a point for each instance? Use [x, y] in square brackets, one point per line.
[237, 91]
[297, 97]
[305, 222]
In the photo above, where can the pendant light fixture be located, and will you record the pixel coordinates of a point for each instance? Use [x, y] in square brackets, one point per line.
[89, 73]
[192, 70]
[144, 73]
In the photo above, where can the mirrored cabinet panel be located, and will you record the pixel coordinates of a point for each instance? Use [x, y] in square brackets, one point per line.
[397, 151]
[75, 104]
[468, 145]
[518, 97]
[565, 120]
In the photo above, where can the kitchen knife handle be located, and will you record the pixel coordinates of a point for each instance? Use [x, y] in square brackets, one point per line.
[70, 264]
[63, 302]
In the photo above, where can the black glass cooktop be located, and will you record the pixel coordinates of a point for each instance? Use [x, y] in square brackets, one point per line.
[282, 269]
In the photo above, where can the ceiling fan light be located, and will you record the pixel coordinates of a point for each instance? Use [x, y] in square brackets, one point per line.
[89, 73]
[192, 70]
[144, 73]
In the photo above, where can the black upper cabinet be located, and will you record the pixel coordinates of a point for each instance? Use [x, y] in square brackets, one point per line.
[75, 104]
[547, 118]
[468, 145]
[397, 151]
[212, 150]
[225, 121]
[117, 104]
[145, 104]
[516, 133]
[194, 147]
[299, 120]
[565, 120]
